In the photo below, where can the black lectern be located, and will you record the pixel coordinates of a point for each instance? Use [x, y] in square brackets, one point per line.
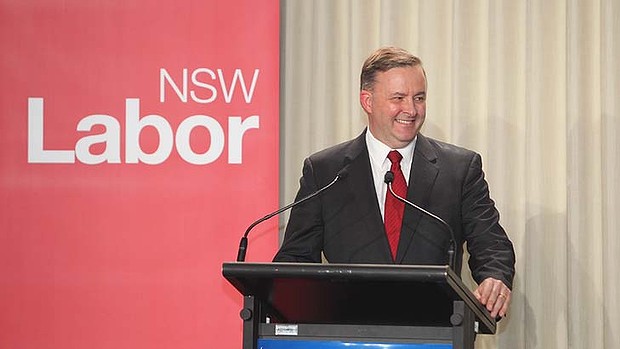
[305, 305]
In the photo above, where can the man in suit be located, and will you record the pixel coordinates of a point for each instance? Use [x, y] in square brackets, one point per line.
[358, 220]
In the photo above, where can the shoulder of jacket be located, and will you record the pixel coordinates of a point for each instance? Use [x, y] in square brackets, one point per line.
[449, 149]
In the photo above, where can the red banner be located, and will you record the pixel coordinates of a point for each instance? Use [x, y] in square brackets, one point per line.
[139, 140]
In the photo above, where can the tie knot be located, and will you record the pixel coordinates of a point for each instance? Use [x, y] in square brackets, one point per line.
[394, 157]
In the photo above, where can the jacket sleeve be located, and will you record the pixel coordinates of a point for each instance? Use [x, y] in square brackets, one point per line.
[303, 238]
[491, 251]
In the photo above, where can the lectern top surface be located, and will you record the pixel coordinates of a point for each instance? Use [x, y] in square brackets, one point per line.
[356, 293]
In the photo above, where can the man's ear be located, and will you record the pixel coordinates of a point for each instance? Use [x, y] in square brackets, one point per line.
[366, 101]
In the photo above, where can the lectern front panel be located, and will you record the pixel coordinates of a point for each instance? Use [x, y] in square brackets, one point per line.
[310, 344]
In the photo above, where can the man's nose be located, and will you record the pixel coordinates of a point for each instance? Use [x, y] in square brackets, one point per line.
[409, 107]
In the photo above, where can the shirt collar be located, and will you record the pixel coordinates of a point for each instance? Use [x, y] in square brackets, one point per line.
[378, 151]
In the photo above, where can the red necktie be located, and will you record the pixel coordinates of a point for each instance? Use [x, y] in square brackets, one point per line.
[395, 208]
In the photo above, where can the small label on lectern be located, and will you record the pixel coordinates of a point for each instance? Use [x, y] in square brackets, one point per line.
[286, 330]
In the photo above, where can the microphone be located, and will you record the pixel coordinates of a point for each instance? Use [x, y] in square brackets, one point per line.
[243, 244]
[388, 179]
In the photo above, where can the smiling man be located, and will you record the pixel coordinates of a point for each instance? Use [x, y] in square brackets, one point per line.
[358, 220]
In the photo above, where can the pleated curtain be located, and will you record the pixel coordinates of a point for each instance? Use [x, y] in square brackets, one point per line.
[534, 87]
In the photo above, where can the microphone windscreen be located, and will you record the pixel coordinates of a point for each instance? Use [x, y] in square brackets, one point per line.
[389, 177]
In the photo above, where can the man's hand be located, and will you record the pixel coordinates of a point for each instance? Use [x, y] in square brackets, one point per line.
[493, 294]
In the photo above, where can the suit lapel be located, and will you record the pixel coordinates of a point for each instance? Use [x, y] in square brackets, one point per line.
[424, 171]
[361, 184]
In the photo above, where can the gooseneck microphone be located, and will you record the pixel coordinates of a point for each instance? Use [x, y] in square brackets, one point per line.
[243, 244]
[388, 179]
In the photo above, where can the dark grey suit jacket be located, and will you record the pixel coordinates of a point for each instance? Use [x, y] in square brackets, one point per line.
[345, 222]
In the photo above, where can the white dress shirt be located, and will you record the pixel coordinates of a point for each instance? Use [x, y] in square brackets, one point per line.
[380, 164]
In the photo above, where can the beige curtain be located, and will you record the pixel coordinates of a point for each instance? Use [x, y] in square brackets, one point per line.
[534, 86]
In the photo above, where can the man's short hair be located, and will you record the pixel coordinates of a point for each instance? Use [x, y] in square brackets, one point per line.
[383, 60]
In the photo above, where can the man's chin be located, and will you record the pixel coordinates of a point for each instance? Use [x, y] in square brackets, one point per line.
[407, 137]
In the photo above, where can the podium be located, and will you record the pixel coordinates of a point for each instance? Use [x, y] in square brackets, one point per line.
[338, 306]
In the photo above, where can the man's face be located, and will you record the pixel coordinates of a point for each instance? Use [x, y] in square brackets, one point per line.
[396, 106]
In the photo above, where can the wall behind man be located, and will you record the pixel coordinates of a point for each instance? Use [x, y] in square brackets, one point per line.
[532, 86]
